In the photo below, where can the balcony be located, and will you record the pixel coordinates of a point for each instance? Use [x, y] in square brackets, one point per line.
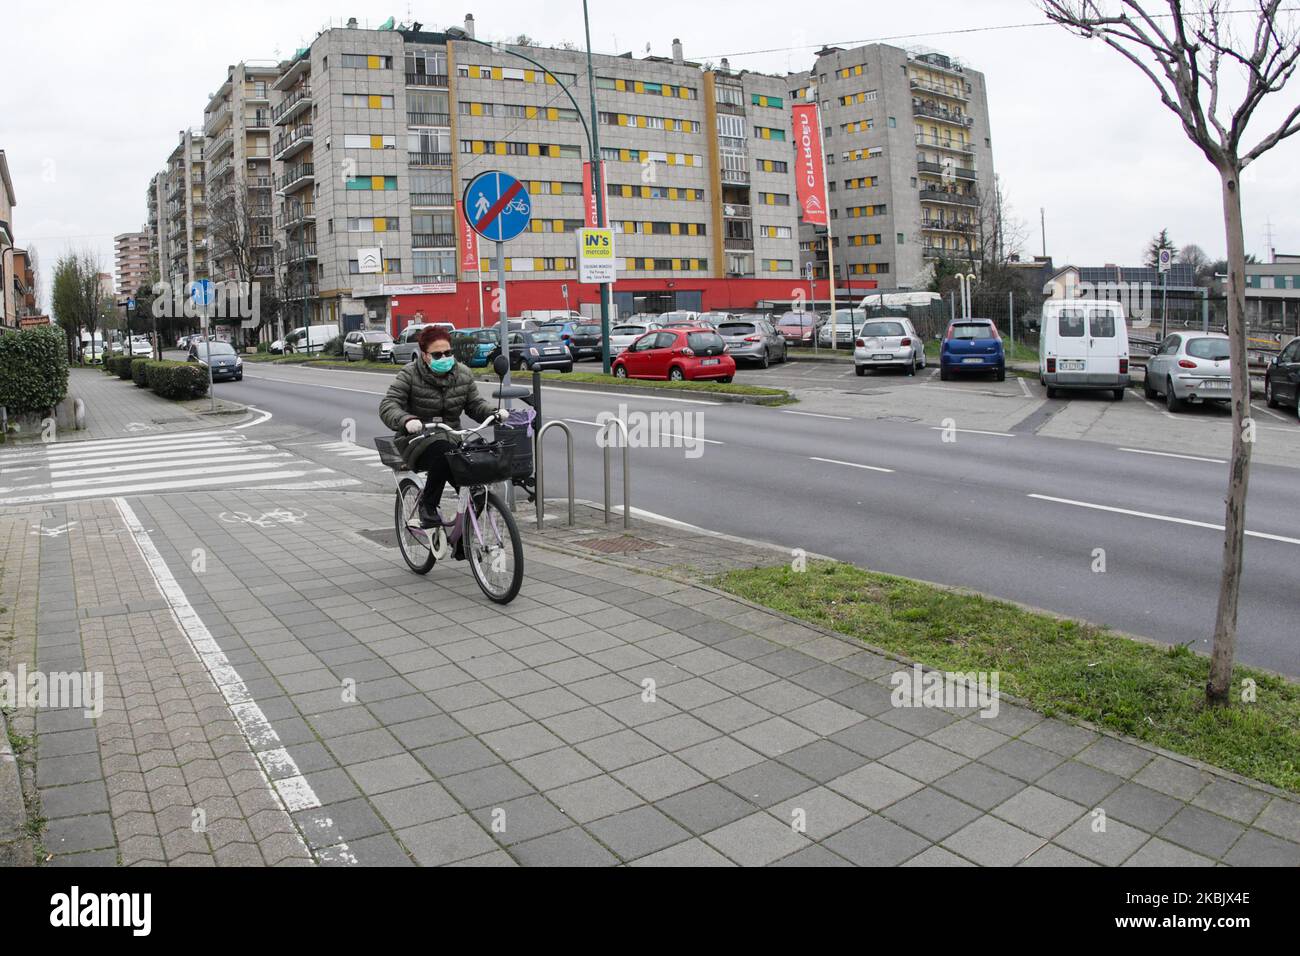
[951, 197]
[735, 177]
[428, 159]
[431, 199]
[938, 61]
[939, 142]
[294, 102]
[263, 240]
[216, 121]
[261, 119]
[300, 252]
[300, 290]
[961, 172]
[436, 240]
[261, 182]
[295, 177]
[955, 91]
[423, 277]
[292, 142]
[257, 92]
[220, 144]
[296, 213]
[426, 79]
[942, 114]
[221, 167]
[260, 212]
[736, 211]
[953, 226]
[735, 242]
[428, 119]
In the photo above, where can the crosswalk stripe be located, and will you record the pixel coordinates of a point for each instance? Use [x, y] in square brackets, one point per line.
[113, 444]
[173, 485]
[201, 452]
[145, 466]
[166, 473]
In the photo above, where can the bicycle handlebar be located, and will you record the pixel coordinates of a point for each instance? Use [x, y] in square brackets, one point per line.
[461, 432]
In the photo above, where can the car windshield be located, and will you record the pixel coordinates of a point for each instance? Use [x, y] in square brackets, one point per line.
[546, 336]
[971, 330]
[849, 318]
[700, 341]
[588, 330]
[1215, 350]
[882, 328]
[628, 330]
[216, 348]
[378, 337]
[736, 328]
[796, 321]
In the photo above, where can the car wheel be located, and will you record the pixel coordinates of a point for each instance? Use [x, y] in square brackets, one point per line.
[945, 375]
[1052, 392]
[1269, 395]
[923, 362]
[726, 380]
[1147, 391]
[239, 377]
[347, 356]
[764, 362]
[1119, 394]
[1001, 374]
[620, 371]
[861, 370]
[675, 374]
[1172, 401]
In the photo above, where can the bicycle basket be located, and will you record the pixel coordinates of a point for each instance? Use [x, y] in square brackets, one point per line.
[480, 463]
[389, 453]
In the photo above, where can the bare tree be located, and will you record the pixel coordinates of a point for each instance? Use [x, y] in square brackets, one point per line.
[1001, 234]
[239, 225]
[1191, 53]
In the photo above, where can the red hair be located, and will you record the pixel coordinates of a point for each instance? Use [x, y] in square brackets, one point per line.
[431, 334]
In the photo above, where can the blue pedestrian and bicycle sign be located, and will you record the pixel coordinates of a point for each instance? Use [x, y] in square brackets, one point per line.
[497, 206]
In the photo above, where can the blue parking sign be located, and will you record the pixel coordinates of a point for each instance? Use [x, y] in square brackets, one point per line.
[497, 206]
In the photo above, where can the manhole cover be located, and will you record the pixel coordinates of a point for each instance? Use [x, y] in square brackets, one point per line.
[384, 537]
[620, 545]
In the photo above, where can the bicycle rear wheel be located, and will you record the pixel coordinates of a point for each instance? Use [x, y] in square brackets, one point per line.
[493, 549]
[418, 556]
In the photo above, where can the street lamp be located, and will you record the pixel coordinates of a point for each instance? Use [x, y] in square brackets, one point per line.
[592, 134]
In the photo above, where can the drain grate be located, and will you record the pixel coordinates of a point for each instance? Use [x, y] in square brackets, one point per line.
[384, 537]
[620, 545]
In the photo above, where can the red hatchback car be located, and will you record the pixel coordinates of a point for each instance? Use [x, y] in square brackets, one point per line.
[678, 355]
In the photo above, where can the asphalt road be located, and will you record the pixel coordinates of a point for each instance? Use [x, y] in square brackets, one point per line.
[1020, 517]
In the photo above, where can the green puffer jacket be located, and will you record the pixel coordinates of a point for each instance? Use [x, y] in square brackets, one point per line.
[419, 393]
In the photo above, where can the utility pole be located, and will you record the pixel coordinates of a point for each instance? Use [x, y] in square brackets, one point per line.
[598, 188]
[1042, 219]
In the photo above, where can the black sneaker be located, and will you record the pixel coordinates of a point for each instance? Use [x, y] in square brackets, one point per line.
[429, 517]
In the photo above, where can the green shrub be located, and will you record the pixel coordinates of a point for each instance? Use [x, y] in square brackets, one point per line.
[333, 347]
[178, 381]
[119, 365]
[140, 371]
[33, 368]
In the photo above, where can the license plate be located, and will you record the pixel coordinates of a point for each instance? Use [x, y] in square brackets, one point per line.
[1075, 365]
[1215, 384]
[882, 358]
[711, 362]
[973, 361]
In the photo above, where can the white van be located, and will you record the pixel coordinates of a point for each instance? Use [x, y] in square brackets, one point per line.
[1083, 343]
[320, 335]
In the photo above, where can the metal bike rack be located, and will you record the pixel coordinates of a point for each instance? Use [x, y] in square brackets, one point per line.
[541, 480]
[627, 478]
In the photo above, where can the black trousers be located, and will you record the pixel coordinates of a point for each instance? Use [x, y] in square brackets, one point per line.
[433, 460]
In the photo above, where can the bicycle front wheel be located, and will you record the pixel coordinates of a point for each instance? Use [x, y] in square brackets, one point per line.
[493, 549]
[419, 557]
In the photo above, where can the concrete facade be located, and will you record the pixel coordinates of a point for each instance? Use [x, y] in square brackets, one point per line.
[184, 212]
[131, 256]
[8, 299]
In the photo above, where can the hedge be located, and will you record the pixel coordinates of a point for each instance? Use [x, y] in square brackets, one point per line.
[33, 369]
[177, 380]
[119, 365]
[140, 371]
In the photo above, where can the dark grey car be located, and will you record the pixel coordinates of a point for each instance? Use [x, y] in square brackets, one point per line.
[753, 338]
[226, 363]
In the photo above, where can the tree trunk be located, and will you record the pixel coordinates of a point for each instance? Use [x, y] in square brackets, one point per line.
[1234, 535]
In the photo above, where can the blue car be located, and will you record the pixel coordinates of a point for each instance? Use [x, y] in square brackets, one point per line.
[972, 345]
[483, 341]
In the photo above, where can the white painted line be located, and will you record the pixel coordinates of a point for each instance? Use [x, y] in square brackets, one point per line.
[1167, 518]
[852, 464]
[972, 431]
[144, 466]
[201, 484]
[161, 448]
[118, 445]
[837, 418]
[1024, 387]
[257, 730]
[627, 395]
[214, 452]
[1166, 454]
[265, 417]
[337, 388]
[1269, 411]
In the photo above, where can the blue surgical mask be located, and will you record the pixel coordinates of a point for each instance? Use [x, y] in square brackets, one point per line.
[442, 365]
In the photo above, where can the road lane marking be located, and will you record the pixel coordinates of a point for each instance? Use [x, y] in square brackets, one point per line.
[971, 431]
[1024, 387]
[682, 438]
[853, 464]
[266, 416]
[837, 418]
[1166, 454]
[1166, 518]
[292, 793]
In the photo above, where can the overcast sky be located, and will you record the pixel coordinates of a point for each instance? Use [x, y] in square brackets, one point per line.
[92, 96]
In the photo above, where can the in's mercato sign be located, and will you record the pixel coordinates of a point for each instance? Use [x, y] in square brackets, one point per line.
[596, 255]
[810, 179]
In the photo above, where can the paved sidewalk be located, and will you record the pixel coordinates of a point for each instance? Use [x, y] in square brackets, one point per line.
[607, 716]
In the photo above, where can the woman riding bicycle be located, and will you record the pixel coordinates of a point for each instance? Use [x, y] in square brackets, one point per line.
[434, 387]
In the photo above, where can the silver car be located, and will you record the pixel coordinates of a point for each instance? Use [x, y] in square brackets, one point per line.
[407, 345]
[1190, 367]
[888, 343]
[846, 323]
[753, 338]
[625, 333]
[354, 344]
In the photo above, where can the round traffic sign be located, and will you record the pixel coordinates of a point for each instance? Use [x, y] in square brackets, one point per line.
[497, 206]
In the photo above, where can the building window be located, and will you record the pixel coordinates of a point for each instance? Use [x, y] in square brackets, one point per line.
[369, 141]
[372, 183]
[373, 101]
[374, 224]
[364, 61]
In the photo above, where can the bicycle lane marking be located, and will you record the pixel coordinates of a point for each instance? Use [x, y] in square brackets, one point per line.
[291, 790]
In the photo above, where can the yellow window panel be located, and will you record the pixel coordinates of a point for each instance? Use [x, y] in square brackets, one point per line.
[857, 71]
[645, 192]
[677, 265]
[535, 225]
[675, 229]
[479, 146]
[372, 62]
[496, 73]
[530, 76]
[639, 87]
[629, 227]
[377, 182]
[501, 149]
[627, 192]
[377, 142]
[379, 224]
[692, 229]
[620, 85]
[549, 79]
[557, 225]
[670, 124]
[509, 266]
[672, 192]
[684, 93]
[534, 149]
[625, 155]
[530, 112]
[771, 199]
[556, 189]
[672, 159]
[640, 122]
[552, 113]
[376, 101]
[553, 151]
[539, 264]
[476, 109]
[647, 228]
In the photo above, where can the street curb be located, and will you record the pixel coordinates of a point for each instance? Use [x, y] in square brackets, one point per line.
[13, 810]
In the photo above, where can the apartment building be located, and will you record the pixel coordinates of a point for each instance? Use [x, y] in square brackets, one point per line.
[908, 153]
[183, 212]
[8, 296]
[156, 223]
[239, 133]
[131, 256]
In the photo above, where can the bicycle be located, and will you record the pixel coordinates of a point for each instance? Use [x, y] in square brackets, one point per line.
[483, 533]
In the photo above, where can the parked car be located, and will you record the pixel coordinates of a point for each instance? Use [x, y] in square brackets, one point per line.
[519, 325]
[972, 345]
[1190, 367]
[581, 336]
[888, 343]
[704, 319]
[680, 317]
[405, 346]
[846, 323]
[678, 355]
[539, 350]
[184, 342]
[303, 339]
[354, 344]
[625, 333]
[473, 346]
[226, 363]
[798, 328]
[1282, 379]
[1083, 343]
[754, 339]
[141, 347]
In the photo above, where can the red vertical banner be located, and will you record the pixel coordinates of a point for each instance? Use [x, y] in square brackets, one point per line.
[589, 195]
[468, 242]
[810, 178]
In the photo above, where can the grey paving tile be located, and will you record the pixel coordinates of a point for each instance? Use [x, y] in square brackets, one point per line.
[1023, 761]
[819, 811]
[1157, 852]
[1053, 855]
[989, 841]
[1142, 807]
[521, 740]
[74, 800]
[756, 840]
[1039, 812]
[491, 785]
[1281, 818]
[924, 761]
[815, 855]
[620, 749]
[875, 786]
[937, 856]
[1201, 831]
[687, 853]
[585, 724]
[720, 757]
[556, 768]
[677, 732]
[823, 760]
[1110, 847]
[1232, 800]
[1260, 849]
[767, 783]
[520, 819]
[1059, 737]
[872, 739]
[1176, 779]
[775, 736]
[1080, 782]
[456, 756]
[423, 803]
[705, 808]
[388, 773]
[638, 832]
[660, 777]
[447, 841]
[931, 813]
[967, 737]
[731, 714]
[876, 841]
[571, 847]
[979, 785]
[593, 798]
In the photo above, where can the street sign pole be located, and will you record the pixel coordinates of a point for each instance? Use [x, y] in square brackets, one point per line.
[598, 188]
[504, 312]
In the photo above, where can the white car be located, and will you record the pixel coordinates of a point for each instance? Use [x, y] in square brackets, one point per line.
[621, 336]
[140, 346]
